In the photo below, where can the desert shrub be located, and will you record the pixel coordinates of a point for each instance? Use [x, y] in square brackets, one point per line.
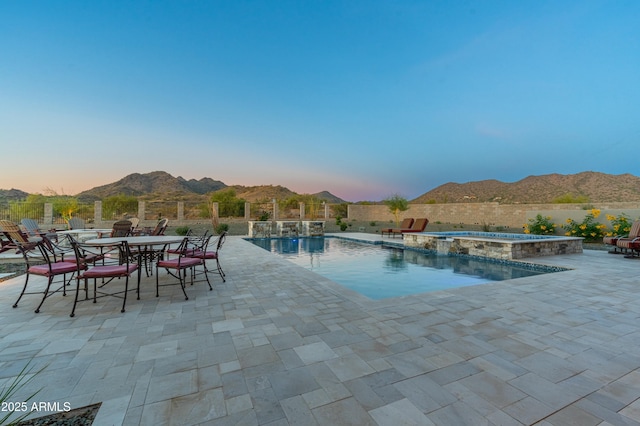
[221, 228]
[620, 225]
[571, 199]
[372, 223]
[589, 228]
[540, 225]
[182, 230]
[343, 226]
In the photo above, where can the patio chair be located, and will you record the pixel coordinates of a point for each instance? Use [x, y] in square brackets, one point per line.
[121, 228]
[631, 243]
[204, 254]
[405, 224]
[418, 226]
[33, 229]
[177, 268]
[159, 229]
[76, 223]
[106, 273]
[41, 258]
[134, 225]
[14, 234]
[634, 232]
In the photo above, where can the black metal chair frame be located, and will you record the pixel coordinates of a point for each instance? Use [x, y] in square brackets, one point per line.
[46, 259]
[180, 266]
[122, 268]
[202, 253]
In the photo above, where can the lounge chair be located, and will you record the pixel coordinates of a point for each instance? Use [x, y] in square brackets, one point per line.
[76, 223]
[33, 229]
[634, 232]
[406, 223]
[418, 226]
[630, 243]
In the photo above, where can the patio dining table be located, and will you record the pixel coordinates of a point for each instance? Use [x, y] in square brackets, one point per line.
[146, 248]
[86, 233]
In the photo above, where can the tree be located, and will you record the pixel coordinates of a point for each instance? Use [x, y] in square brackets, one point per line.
[396, 205]
[119, 206]
[228, 203]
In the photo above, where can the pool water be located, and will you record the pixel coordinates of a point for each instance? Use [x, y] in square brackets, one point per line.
[380, 272]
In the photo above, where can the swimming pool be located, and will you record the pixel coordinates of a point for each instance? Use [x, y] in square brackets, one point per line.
[380, 271]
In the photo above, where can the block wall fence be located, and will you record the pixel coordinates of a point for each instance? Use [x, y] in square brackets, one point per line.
[492, 214]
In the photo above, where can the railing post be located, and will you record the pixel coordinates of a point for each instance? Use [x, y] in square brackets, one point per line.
[275, 209]
[48, 214]
[326, 210]
[247, 210]
[302, 211]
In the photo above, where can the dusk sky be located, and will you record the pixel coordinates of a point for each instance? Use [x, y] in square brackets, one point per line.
[364, 99]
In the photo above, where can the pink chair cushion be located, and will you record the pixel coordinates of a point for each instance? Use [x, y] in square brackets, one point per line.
[204, 254]
[56, 269]
[110, 271]
[184, 262]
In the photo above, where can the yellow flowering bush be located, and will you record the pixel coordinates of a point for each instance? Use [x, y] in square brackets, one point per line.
[620, 225]
[589, 228]
[541, 225]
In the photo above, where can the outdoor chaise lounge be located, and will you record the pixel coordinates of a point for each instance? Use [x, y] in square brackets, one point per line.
[406, 223]
[418, 226]
[634, 232]
[632, 242]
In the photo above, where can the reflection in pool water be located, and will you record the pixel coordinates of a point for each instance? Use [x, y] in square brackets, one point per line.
[380, 272]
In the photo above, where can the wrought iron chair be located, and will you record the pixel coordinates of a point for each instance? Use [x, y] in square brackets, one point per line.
[205, 254]
[177, 267]
[107, 273]
[44, 258]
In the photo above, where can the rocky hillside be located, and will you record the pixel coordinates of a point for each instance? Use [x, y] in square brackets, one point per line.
[159, 183]
[592, 186]
[12, 194]
[163, 186]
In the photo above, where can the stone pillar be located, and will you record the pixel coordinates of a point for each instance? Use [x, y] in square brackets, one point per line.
[141, 211]
[247, 211]
[180, 211]
[215, 212]
[301, 211]
[275, 209]
[326, 210]
[48, 214]
[97, 213]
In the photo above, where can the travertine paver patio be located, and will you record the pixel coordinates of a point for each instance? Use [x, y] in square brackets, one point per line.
[279, 345]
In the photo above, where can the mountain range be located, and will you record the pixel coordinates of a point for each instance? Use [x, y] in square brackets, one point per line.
[592, 187]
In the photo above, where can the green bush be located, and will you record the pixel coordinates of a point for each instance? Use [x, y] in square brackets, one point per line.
[541, 225]
[343, 226]
[182, 230]
[589, 229]
[222, 227]
[620, 225]
[571, 199]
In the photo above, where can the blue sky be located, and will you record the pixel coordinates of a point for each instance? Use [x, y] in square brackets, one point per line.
[364, 99]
